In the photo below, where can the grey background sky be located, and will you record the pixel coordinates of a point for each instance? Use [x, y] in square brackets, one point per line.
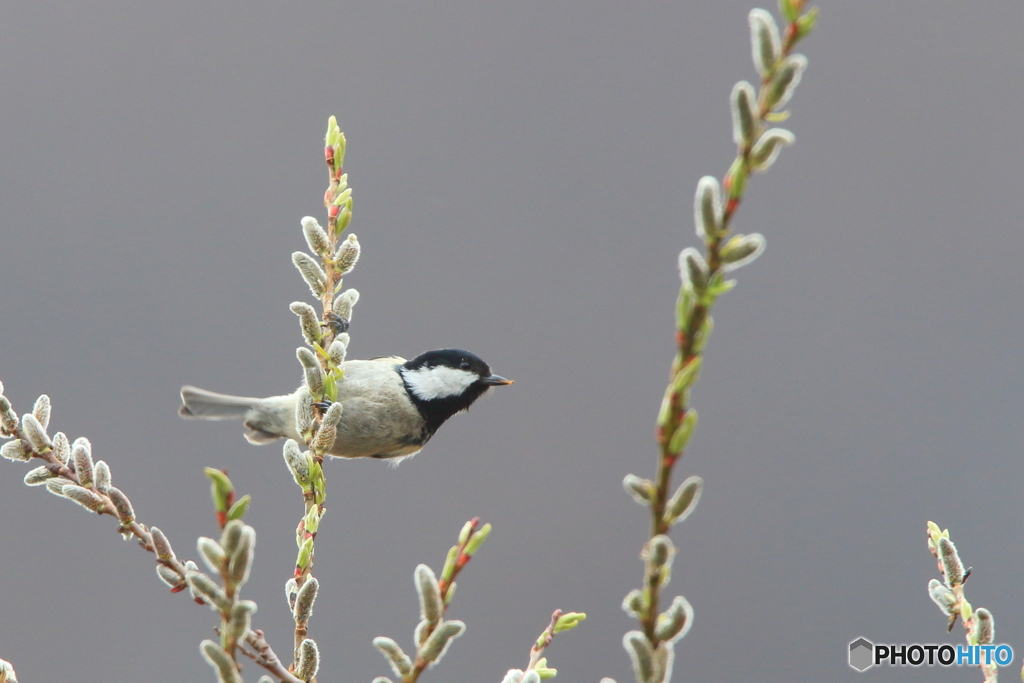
[523, 177]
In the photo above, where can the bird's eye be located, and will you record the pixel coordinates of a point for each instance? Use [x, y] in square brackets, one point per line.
[464, 365]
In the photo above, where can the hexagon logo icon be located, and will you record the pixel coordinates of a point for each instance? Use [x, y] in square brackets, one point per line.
[860, 654]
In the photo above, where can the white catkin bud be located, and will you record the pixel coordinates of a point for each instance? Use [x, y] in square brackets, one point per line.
[204, 588]
[684, 500]
[744, 116]
[309, 660]
[659, 551]
[241, 560]
[766, 149]
[942, 596]
[55, 485]
[42, 410]
[40, 475]
[707, 207]
[984, 626]
[34, 432]
[212, 554]
[513, 676]
[741, 250]
[347, 254]
[693, 270]
[784, 83]
[62, 447]
[344, 303]
[14, 450]
[81, 454]
[438, 641]
[316, 238]
[634, 604]
[84, 497]
[231, 537]
[324, 438]
[304, 413]
[641, 654]
[226, 670]
[675, 622]
[531, 677]
[8, 418]
[307, 320]
[169, 576]
[642, 490]
[764, 40]
[312, 371]
[100, 475]
[399, 661]
[431, 606]
[161, 546]
[122, 505]
[298, 463]
[304, 600]
[311, 272]
[240, 618]
[7, 674]
[952, 567]
[338, 348]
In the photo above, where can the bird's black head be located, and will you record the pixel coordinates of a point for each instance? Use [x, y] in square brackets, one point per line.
[443, 382]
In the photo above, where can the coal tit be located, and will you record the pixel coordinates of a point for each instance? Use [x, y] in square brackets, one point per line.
[391, 406]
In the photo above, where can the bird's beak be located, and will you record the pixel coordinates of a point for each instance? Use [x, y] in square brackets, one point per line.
[496, 381]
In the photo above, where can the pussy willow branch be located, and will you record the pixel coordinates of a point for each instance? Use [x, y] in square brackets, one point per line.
[686, 340]
[267, 659]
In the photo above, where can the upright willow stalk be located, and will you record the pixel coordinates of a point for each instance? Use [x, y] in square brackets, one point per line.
[316, 413]
[651, 648]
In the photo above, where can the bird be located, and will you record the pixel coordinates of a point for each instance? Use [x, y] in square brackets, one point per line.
[391, 406]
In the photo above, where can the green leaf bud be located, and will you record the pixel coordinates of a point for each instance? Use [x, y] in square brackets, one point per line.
[315, 236]
[449, 594]
[41, 410]
[220, 489]
[740, 250]
[952, 567]
[684, 500]
[641, 654]
[309, 660]
[344, 302]
[100, 476]
[36, 435]
[544, 671]
[744, 114]
[688, 374]
[308, 321]
[569, 621]
[785, 80]
[15, 450]
[642, 490]
[431, 606]
[240, 507]
[807, 22]
[437, 642]
[764, 41]
[766, 149]
[736, 178]
[675, 622]
[681, 436]
[449, 563]
[305, 552]
[984, 626]
[942, 596]
[304, 600]
[123, 506]
[477, 539]
[704, 334]
[226, 670]
[346, 255]
[789, 9]
[399, 661]
[311, 272]
[84, 497]
[707, 207]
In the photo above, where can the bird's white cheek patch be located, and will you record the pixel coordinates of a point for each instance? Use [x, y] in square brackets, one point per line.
[438, 382]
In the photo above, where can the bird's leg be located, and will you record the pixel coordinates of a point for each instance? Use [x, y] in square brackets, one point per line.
[323, 405]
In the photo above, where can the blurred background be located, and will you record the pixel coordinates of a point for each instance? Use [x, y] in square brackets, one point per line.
[523, 177]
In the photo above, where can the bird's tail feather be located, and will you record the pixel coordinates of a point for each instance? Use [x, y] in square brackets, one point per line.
[207, 405]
